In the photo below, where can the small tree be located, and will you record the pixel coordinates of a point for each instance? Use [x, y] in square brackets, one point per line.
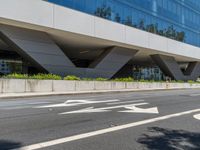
[141, 25]
[117, 17]
[180, 36]
[103, 11]
[171, 32]
[128, 21]
[153, 28]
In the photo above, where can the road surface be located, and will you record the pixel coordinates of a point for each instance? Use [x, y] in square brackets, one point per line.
[158, 120]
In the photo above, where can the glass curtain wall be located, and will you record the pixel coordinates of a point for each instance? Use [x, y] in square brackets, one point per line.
[10, 66]
[148, 73]
[175, 19]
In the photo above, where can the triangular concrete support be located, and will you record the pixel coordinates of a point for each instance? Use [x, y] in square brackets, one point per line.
[170, 68]
[38, 48]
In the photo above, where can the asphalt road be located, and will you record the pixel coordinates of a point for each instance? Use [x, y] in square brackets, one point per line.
[154, 120]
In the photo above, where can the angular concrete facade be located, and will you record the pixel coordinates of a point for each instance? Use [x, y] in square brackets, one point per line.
[38, 48]
[63, 41]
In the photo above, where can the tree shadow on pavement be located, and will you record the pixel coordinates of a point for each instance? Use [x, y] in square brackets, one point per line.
[168, 139]
[8, 145]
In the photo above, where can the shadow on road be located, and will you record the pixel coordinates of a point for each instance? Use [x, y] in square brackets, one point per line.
[168, 139]
[8, 145]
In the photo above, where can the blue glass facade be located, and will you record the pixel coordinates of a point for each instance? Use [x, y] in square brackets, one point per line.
[175, 19]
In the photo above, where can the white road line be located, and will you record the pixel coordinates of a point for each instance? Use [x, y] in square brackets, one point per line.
[23, 106]
[193, 95]
[197, 116]
[37, 103]
[125, 102]
[77, 103]
[121, 106]
[85, 110]
[104, 131]
[14, 108]
[104, 108]
[133, 109]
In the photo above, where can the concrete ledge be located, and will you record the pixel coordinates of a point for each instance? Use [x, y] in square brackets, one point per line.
[27, 87]
[84, 86]
[118, 85]
[63, 86]
[102, 85]
[1, 86]
[13, 86]
[39, 85]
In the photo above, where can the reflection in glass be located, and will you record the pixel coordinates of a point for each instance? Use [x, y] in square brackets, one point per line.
[175, 19]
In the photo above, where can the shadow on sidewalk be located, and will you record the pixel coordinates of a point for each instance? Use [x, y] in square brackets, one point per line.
[8, 145]
[168, 139]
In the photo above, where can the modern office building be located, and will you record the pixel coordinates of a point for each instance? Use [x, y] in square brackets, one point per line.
[102, 38]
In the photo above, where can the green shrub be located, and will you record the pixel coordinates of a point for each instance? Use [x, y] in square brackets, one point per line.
[143, 80]
[180, 81]
[37, 76]
[151, 81]
[71, 77]
[198, 81]
[16, 76]
[101, 79]
[87, 79]
[45, 77]
[129, 79]
[191, 81]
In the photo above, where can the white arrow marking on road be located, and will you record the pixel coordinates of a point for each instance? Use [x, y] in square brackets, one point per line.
[76, 103]
[125, 102]
[134, 109]
[86, 110]
[197, 116]
[103, 109]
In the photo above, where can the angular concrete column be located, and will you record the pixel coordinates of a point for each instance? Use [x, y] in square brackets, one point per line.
[170, 68]
[192, 71]
[112, 60]
[37, 48]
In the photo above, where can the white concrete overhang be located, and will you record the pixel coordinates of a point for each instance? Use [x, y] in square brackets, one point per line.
[72, 30]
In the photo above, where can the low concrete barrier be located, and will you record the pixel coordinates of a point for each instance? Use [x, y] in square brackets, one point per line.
[1, 86]
[118, 85]
[84, 86]
[13, 86]
[56, 86]
[39, 85]
[102, 85]
[63, 86]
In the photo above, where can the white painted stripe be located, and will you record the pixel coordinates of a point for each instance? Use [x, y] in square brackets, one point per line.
[125, 102]
[14, 108]
[69, 103]
[37, 103]
[133, 109]
[85, 110]
[104, 131]
[193, 95]
[107, 108]
[197, 116]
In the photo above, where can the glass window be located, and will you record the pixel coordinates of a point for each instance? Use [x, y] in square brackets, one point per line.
[176, 19]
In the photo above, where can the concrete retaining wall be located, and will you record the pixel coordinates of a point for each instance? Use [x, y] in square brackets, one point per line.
[56, 86]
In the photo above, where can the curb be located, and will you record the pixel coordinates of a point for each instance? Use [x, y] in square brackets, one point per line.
[27, 95]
